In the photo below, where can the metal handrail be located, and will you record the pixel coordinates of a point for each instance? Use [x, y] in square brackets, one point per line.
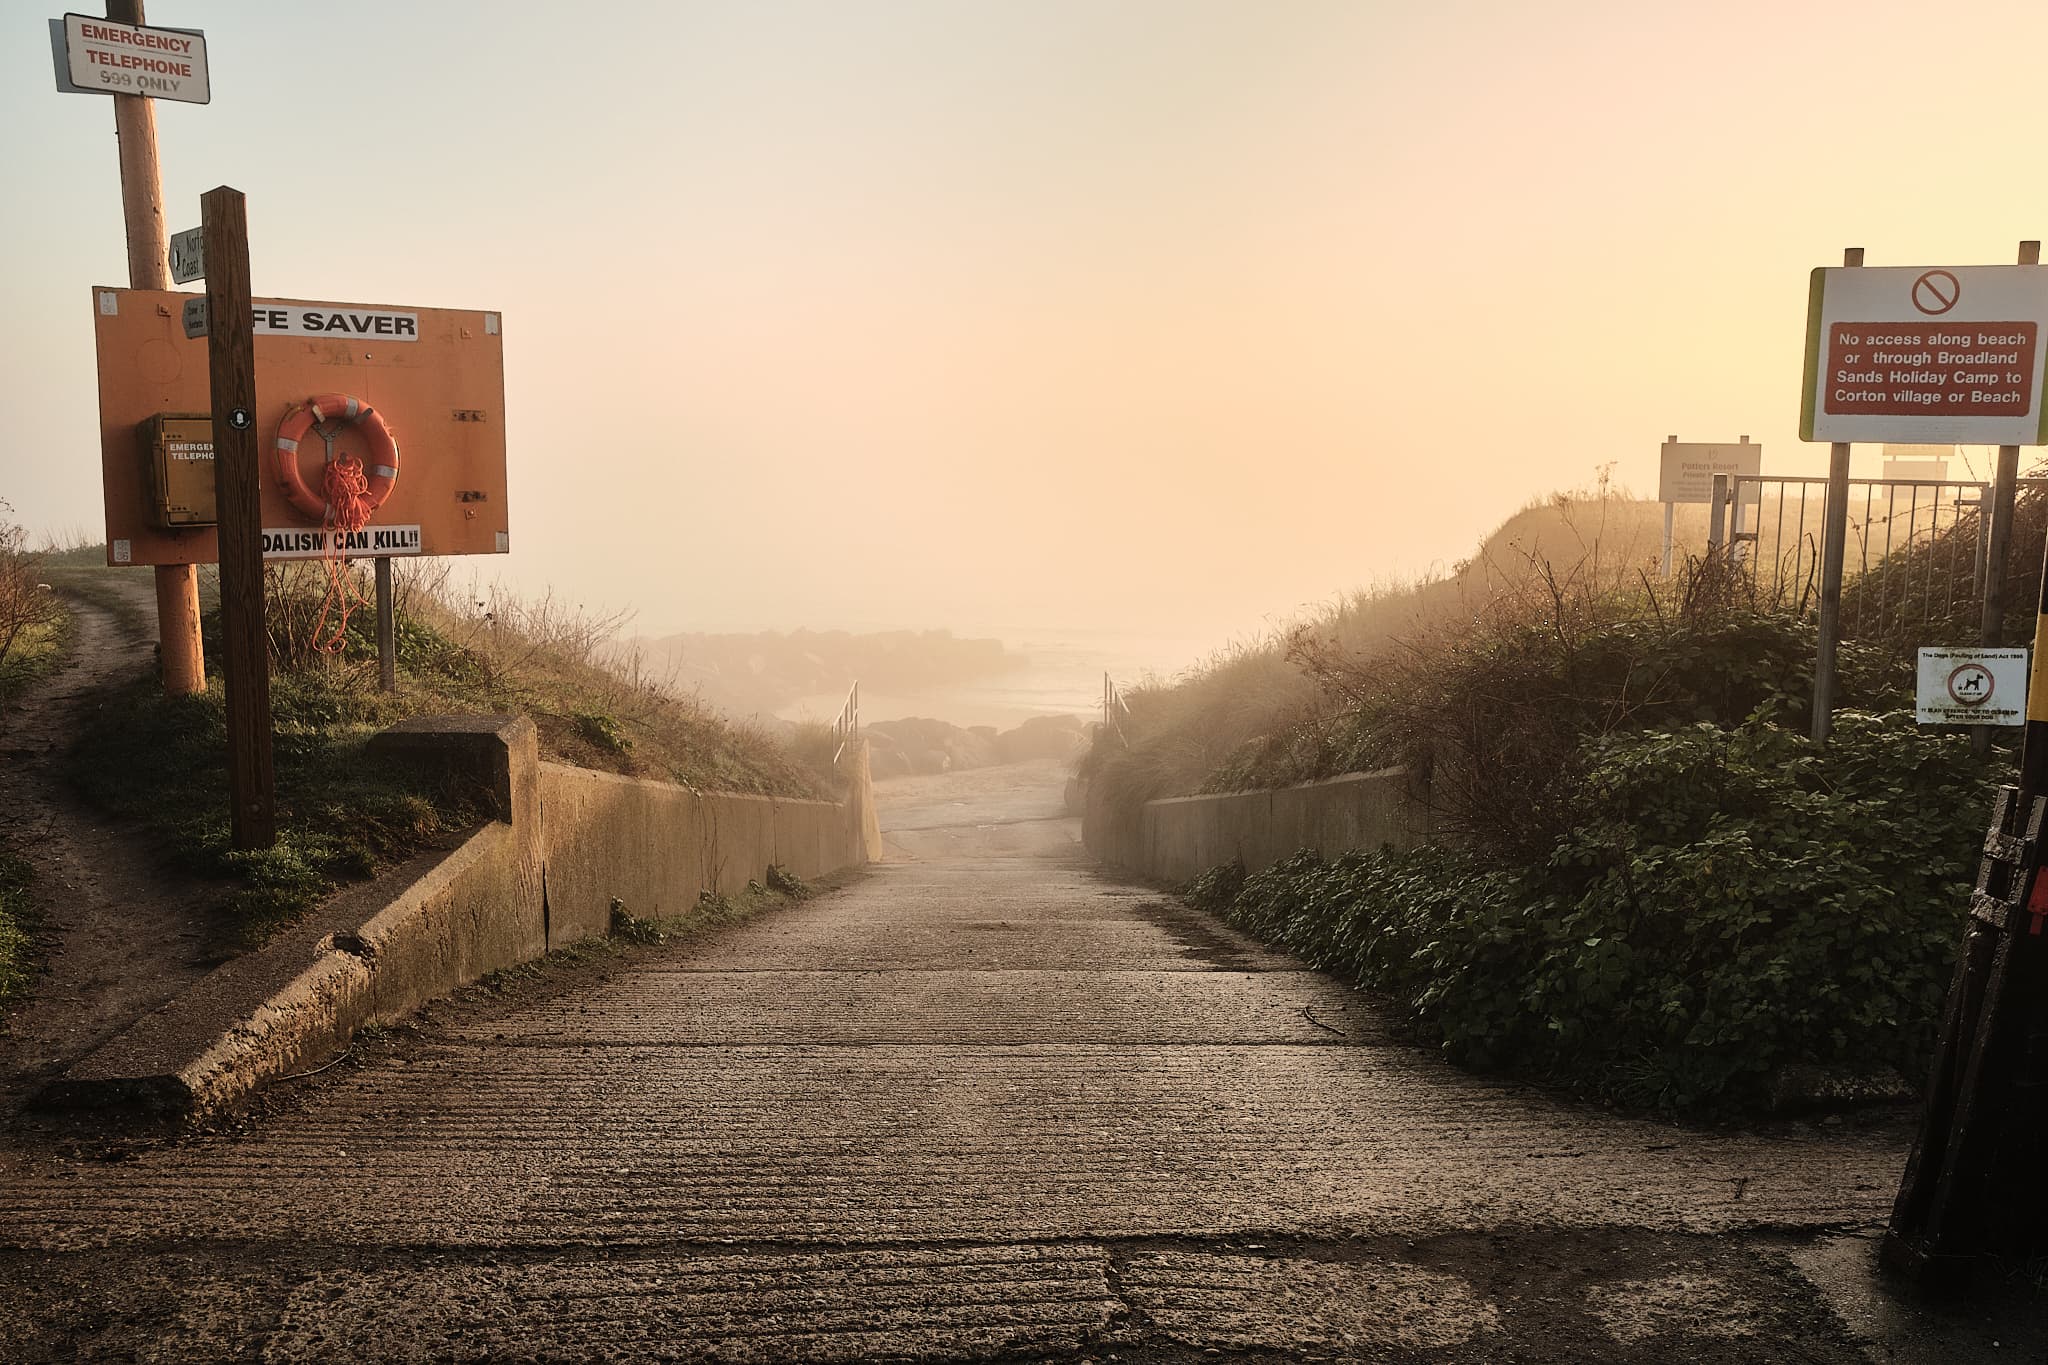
[1822, 478]
[1114, 708]
[846, 728]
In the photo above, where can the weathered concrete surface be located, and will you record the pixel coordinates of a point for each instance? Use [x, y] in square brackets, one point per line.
[654, 846]
[1016, 810]
[270, 1013]
[371, 955]
[543, 875]
[1176, 838]
[968, 1107]
[604, 837]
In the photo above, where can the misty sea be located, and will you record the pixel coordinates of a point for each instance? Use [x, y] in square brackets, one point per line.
[1062, 676]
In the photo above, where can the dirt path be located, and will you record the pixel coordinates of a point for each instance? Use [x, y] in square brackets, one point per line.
[983, 1104]
[119, 939]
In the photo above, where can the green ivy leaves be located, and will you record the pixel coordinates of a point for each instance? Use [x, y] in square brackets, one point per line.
[1724, 902]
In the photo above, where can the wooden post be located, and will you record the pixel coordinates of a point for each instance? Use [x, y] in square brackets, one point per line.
[142, 212]
[231, 363]
[1833, 551]
[177, 629]
[1717, 512]
[1997, 531]
[1670, 516]
[387, 629]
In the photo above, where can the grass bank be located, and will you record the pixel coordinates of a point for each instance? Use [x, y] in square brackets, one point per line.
[161, 761]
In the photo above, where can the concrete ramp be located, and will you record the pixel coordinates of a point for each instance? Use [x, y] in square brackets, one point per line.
[978, 1105]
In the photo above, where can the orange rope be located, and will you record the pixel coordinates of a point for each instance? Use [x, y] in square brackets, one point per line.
[348, 510]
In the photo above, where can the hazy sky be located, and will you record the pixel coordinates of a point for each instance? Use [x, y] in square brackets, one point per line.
[1173, 314]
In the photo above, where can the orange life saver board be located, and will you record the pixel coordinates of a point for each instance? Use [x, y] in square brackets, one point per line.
[379, 474]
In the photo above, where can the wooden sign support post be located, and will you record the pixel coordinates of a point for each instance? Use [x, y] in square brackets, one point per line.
[231, 366]
[142, 211]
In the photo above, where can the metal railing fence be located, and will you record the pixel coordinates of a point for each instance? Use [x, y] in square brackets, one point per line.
[846, 727]
[1909, 541]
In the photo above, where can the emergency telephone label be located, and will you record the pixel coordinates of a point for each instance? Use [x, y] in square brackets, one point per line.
[311, 542]
[127, 59]
[334, 320]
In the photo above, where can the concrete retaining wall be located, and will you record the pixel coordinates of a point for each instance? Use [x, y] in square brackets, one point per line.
[654, 846]
[541, 876]
[1176, 838]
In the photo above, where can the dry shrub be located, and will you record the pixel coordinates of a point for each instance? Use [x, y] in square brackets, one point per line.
[465, 648]
[1182, 730]
[596, 699]
[298, 618]
[1254, 716]
[1483, 680]
[1495, 715]
[26, 604]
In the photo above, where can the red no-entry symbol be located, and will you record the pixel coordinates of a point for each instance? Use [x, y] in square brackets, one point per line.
[1936, 292]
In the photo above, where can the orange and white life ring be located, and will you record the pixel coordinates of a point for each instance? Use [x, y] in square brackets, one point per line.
[379, 473]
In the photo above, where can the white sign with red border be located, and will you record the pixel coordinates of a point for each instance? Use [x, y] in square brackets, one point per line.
[1918, 354]
[1973, 687]
[103, 57]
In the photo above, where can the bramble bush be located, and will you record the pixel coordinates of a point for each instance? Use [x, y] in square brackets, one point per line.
[1723, 902]
[1652, 886]
[1500, 719]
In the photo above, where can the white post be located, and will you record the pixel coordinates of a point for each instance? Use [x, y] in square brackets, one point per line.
[1735, 519]
[1670, 513]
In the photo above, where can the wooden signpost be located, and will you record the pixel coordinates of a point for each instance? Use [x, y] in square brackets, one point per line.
[196, 467]
[142, 209]
[231, 369]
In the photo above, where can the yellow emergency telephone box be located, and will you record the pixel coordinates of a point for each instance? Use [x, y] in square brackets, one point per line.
[178, 449]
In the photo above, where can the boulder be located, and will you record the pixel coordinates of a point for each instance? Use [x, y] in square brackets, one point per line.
[1059, 737]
